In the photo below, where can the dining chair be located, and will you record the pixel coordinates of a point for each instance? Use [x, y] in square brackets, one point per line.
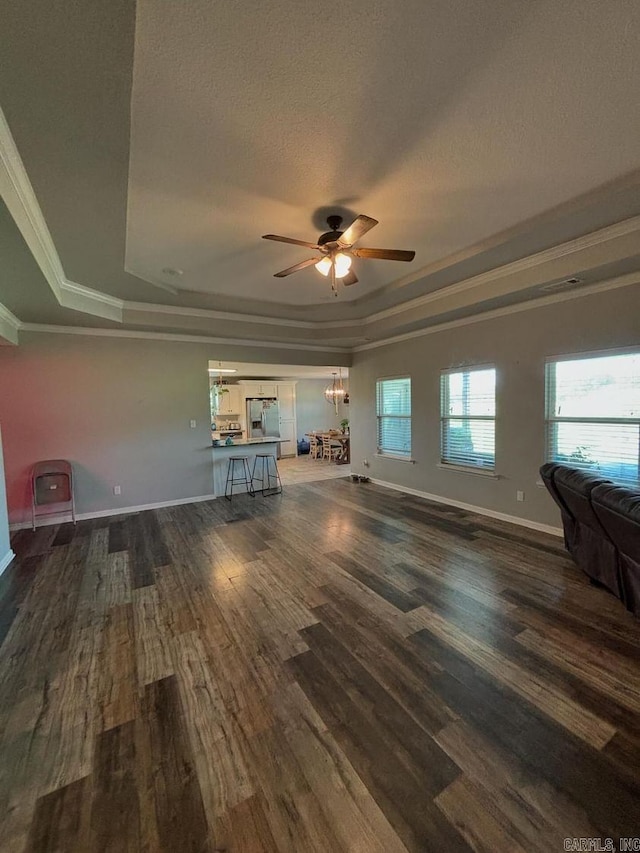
[316, 447]
[329, 448]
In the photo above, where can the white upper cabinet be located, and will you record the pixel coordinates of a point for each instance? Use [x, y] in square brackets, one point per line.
[230, 400]
[258, 389]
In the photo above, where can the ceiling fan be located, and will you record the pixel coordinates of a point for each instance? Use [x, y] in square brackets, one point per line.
[337, 250]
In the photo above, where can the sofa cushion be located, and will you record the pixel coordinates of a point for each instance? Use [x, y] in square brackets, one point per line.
[591, 547]
[575, 487]
[546, 472]
[618, 510]
[621, 509]
[568, 520]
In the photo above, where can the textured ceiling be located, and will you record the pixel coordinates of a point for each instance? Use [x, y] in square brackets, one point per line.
[448, 120]
[175, 134]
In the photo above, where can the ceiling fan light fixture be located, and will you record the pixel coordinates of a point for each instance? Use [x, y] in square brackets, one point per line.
[337, 250]
[343, 264]
[324, 266]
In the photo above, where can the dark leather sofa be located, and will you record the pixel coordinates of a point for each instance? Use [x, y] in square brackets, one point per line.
[601, 525]
[618, 510]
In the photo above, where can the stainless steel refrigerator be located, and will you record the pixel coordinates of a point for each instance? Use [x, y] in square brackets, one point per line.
[263, 417]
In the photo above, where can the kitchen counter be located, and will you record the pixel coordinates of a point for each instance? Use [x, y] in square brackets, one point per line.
[248, 447]
[243, 442]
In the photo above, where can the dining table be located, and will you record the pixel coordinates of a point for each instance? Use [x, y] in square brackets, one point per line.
[343, 456]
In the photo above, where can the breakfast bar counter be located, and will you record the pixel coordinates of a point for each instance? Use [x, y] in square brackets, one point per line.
[248, 447]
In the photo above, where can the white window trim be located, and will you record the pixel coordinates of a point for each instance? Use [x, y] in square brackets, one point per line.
[601, 353]
[476, 471]
[453, 466]
[551, 419]
[380, 452]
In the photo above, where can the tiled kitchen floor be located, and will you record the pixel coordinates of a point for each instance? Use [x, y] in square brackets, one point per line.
[304, 469]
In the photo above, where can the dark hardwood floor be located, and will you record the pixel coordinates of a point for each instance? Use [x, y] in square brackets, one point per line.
[343, 668]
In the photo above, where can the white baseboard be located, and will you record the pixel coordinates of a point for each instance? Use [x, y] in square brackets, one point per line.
[4, 562]
[43, 521]
[480, 510]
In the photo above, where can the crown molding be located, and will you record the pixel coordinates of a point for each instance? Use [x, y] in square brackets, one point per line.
[587, 241]
[610, 284]
[211, 314]
[43, 328]
[9, 318]
[20, 198]
[9, 325]
[22, 203]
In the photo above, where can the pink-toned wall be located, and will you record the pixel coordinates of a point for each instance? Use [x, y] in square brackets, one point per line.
[119, 409]
[5, 548]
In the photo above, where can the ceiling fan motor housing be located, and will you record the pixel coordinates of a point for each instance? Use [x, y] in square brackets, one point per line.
[334, 223]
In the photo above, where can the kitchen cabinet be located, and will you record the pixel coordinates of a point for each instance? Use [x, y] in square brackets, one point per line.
[230, 401]
[286, 392]
[258, 389]
[288, 443]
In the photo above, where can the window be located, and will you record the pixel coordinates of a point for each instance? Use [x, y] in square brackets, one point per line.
[468, 418]
[593, 415]
[393, 401]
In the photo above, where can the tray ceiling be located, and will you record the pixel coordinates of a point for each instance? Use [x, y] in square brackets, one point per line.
[498, 140]
[447, 121]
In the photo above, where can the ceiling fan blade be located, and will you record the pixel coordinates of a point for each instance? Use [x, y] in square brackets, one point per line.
[358, 228]
[297, 267]
[350, 278]
[290, 240]
[384, 254]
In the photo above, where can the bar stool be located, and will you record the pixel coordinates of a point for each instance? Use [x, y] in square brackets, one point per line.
[232, 480]
[267, 475]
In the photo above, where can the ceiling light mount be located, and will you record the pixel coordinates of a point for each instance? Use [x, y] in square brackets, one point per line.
[334, 234]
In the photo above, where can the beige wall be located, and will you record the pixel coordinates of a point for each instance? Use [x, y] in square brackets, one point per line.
[517, 344]
[119, 410]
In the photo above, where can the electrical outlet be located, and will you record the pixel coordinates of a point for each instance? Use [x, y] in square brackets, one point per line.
[519, 496]
[365, 462]
[192, 424]
[117, 490]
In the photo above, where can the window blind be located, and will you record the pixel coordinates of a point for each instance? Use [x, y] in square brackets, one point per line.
[593, 415]
[393, 405]
[468, 425]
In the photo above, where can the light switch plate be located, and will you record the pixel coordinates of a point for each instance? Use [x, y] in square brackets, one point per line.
[192, 424]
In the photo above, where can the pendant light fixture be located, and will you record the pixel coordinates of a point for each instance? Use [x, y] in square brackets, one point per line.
[335, 392]
[218, 387]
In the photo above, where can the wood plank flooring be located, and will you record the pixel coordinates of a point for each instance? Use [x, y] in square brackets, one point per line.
[340, 668]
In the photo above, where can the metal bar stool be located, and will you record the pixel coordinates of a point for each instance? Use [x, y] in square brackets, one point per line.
[52, 485]
[267, 475]
[232, 480]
